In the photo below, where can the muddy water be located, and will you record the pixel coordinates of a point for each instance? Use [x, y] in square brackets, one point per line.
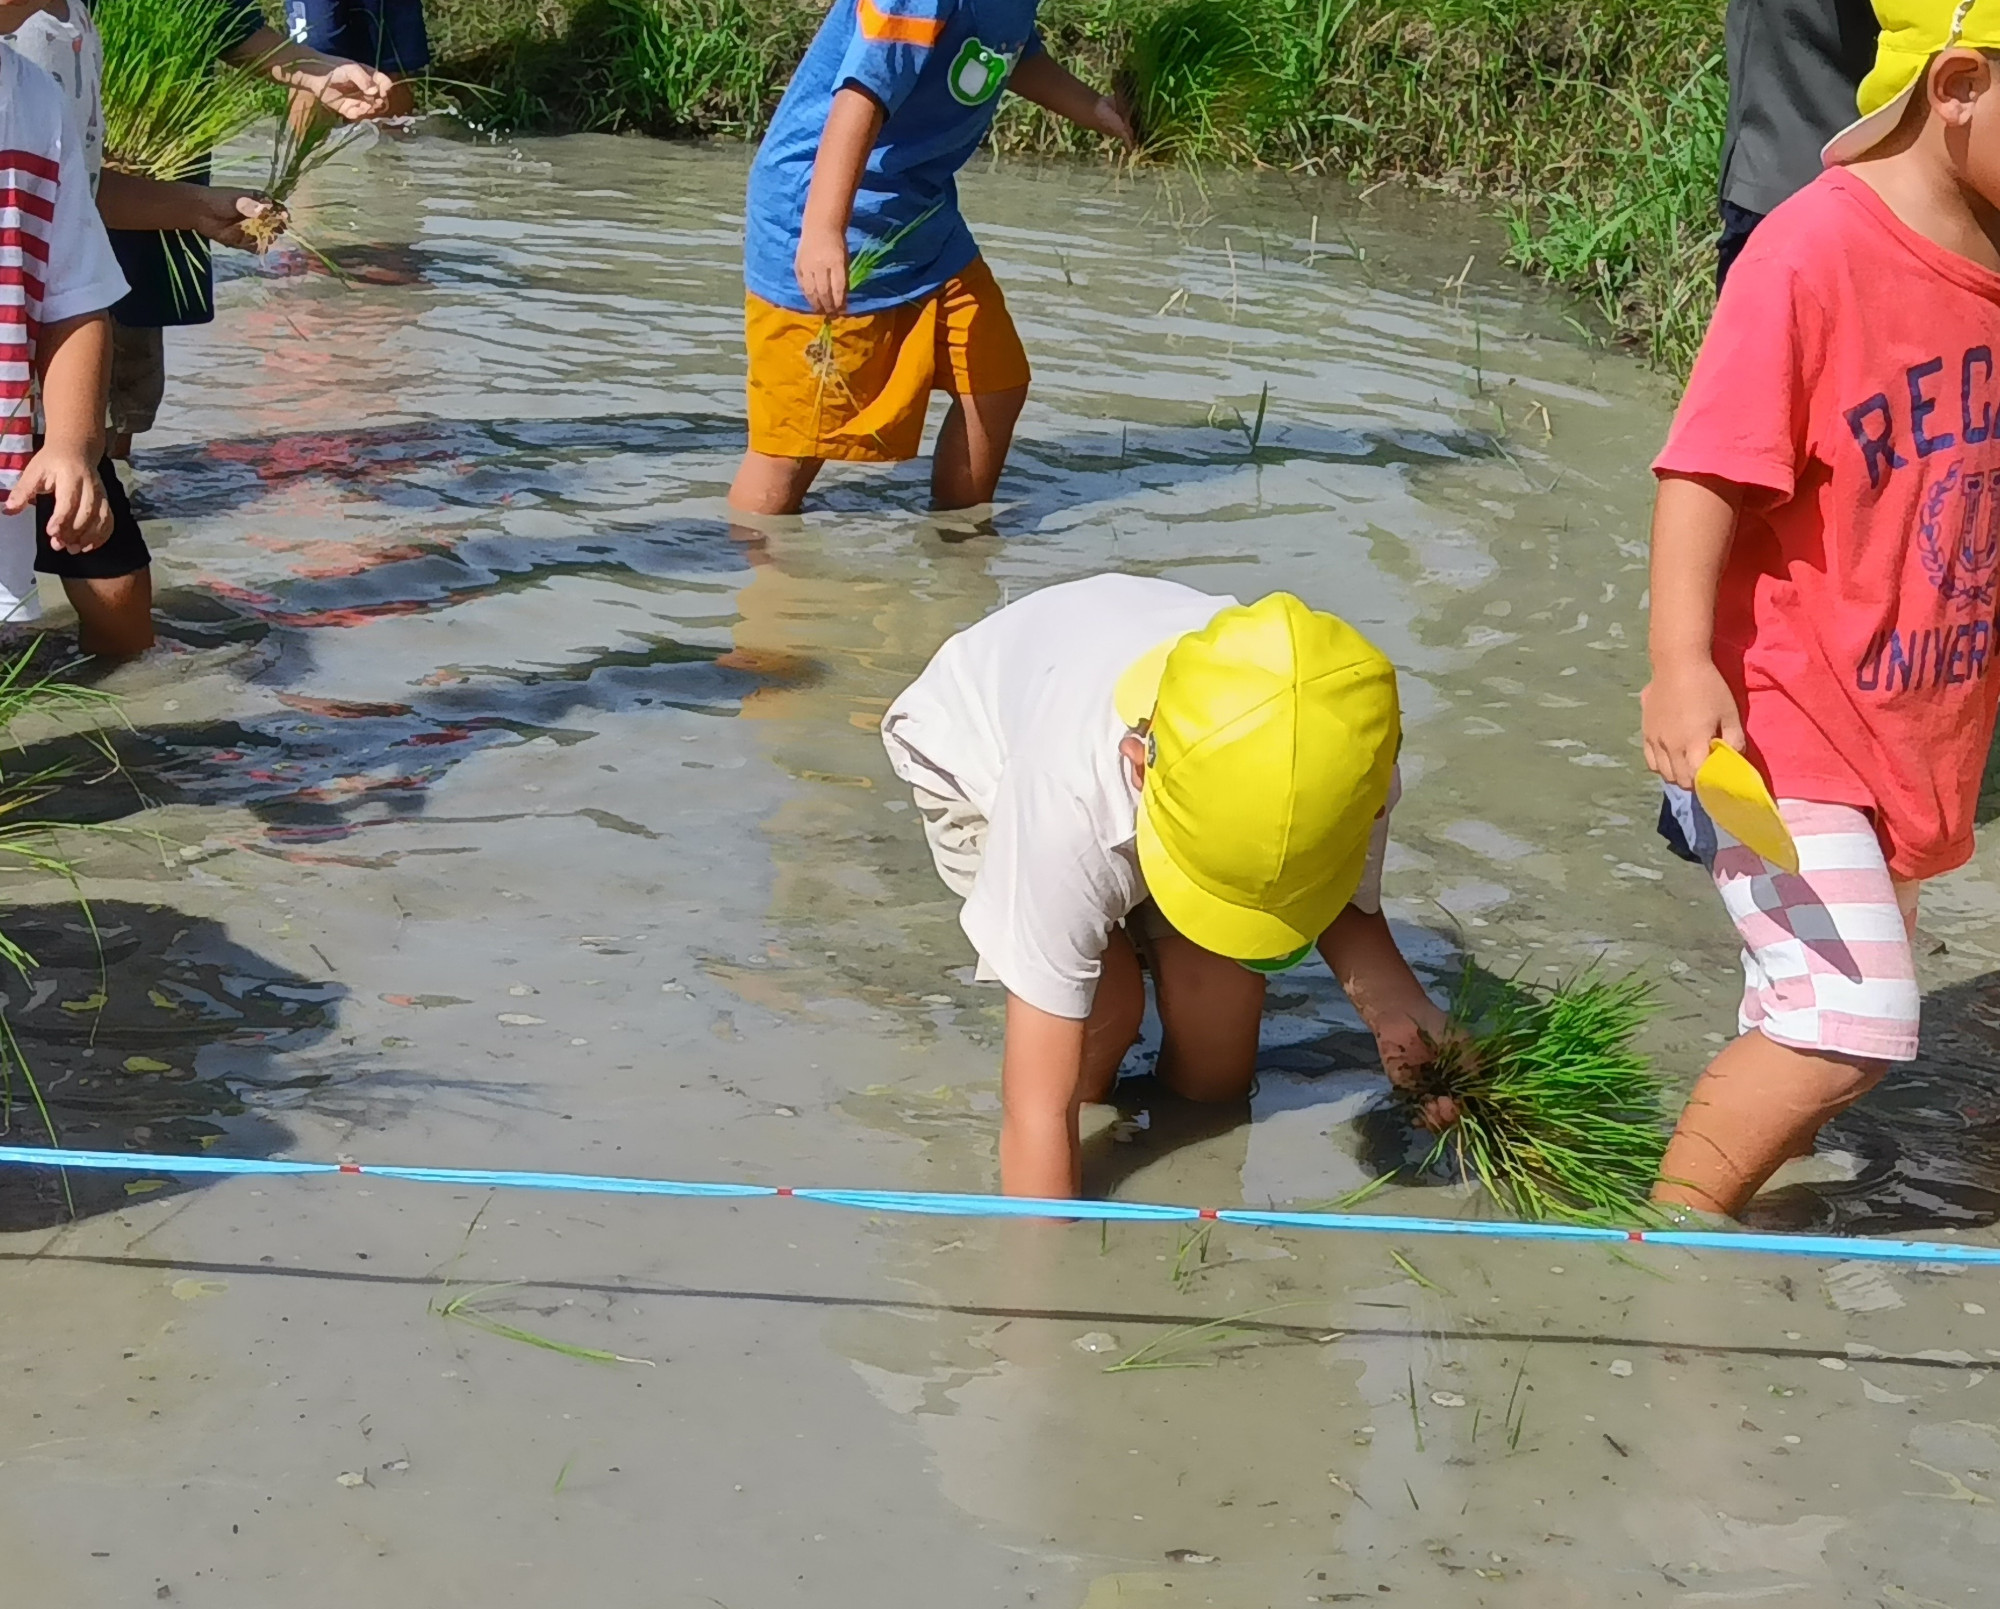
[495, 802]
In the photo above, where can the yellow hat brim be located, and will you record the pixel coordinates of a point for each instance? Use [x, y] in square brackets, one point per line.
[1237, 931]
[1861, 136]
[1138, 689]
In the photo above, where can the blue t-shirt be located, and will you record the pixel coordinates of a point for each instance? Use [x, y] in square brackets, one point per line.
[937, 67]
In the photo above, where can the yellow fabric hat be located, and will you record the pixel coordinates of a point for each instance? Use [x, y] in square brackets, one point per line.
[1913, 31]
[1274, 735]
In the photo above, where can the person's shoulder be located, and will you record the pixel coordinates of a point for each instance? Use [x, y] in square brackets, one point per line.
[31, 102]
[1821, 228]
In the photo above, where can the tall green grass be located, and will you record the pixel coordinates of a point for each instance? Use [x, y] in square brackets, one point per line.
[1593, 124]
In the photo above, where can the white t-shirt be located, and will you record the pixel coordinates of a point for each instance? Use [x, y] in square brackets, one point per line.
[1015, 716]
[55, 259]
[69, 51]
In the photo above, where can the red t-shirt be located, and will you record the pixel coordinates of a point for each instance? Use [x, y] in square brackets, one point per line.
[1851, 378]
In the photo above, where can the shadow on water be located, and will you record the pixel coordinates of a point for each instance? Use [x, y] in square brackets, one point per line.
[155, 1033]
[1927, 1140]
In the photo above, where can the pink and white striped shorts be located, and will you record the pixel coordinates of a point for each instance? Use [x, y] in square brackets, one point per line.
[1827, 958]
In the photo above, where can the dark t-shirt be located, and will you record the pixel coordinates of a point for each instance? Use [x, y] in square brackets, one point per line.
[169, 273]
[1794, 66]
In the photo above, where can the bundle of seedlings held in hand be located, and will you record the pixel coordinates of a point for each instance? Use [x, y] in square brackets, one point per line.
[167, 104]
[1558, 1115]
[296, 153]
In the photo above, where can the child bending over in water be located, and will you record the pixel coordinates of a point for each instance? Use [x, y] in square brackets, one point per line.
[1121, 774]
[1826, 553]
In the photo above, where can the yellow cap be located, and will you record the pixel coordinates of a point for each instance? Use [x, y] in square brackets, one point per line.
[1274, 736]
[1913, 31]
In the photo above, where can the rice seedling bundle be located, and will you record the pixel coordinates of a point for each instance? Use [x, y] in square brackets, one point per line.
[296, 153]
[167, 104]
[1559, 1116]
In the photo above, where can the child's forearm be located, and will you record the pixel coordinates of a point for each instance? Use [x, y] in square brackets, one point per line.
[1041, 1078]
[1688, 705]
[289, 63]
[1053, 87]
[72, 361]
[130, 201]
[1365, 959]
[851, 126]
[1050, 85]
[1694, 522]
[852, 123]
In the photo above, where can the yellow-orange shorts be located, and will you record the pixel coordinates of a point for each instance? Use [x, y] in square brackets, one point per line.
[857, 386]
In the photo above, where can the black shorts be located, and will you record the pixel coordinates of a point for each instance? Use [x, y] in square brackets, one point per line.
[124, 552]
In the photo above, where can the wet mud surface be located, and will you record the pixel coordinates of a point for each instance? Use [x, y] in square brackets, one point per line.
[496, 801]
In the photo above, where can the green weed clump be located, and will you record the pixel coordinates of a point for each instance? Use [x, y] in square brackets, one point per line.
[1595, 124]
[1559, 1115]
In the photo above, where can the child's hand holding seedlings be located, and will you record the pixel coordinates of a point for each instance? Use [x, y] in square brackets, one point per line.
[347, 89]
[223, 215]
[1407, 1024]
[1688, 704]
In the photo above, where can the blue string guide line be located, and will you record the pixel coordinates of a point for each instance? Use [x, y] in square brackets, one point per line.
[951, 1204]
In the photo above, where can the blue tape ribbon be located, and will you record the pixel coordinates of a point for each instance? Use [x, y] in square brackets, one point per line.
[956, 1205]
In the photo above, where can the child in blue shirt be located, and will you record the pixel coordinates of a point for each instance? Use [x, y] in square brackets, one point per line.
[864, 289]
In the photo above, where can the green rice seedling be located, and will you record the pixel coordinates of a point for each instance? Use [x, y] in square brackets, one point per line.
[1191, 1260]
[462, 1309]
[167, 107]
[1510, 1419]
[1416, 1274]
[1416, 1415]
[296, 153]
[1559, 1116]
[1199, 1346]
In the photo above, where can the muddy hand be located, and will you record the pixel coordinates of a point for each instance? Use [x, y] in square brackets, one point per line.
[1408, 1055]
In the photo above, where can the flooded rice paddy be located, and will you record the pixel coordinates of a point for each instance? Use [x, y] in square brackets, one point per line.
[495, 802]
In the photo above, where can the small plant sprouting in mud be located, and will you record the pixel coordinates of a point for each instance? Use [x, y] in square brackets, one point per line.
[1191, 1259]
[1202, 1346]
[1517, 1411]
[1416, 1274]
[464, 1309]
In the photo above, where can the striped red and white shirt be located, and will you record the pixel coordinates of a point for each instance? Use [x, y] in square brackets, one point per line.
[55, 259]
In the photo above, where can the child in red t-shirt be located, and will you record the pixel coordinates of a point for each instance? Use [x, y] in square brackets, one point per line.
[1826, 554]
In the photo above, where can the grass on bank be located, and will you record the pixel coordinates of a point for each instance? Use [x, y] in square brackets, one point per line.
[1596, 124]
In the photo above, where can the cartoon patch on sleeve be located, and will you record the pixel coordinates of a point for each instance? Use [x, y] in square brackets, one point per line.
[978, 73]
